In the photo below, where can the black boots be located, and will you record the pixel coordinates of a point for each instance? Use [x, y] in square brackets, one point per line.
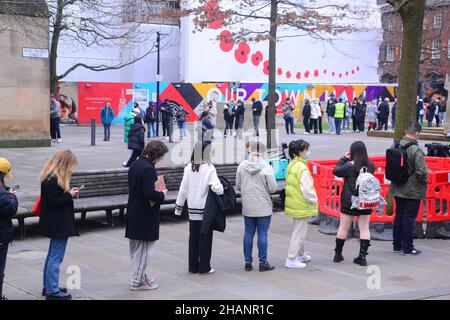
[338, 255]
[363, 248]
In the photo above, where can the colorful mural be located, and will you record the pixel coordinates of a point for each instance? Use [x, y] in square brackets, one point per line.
[93, 96]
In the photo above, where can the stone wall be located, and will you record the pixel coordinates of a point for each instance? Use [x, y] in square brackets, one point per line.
[24, 90]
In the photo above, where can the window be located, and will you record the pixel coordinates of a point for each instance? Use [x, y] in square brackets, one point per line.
[390, 53]
[436, 50]
[424, 24]
[437, 23]
[422, 54]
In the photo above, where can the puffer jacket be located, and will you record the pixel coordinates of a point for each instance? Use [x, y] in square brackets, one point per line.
[129, 120]
[345, 169]
[8, 208]
[136, 137]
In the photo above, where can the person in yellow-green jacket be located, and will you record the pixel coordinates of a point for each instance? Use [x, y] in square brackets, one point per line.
[339, 115]
[301, 202]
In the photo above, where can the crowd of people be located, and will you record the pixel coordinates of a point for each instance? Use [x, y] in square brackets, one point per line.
[201, 191]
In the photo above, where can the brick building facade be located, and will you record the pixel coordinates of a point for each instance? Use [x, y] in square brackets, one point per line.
[435, 58]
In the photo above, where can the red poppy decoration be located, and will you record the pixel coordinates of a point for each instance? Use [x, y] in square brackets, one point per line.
[226, 41]
[346, 73]
[279, 71]
[316, 73]
[298, 75]
[353, 71]
[242, 52]
[340, 75]
[357, 68]
[266, 67]
[333, 74]
[306, 74]
[257, 58]
[288, 74]
[324, 71]
[213, 14]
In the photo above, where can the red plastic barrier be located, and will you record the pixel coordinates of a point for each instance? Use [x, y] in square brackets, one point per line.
[437, 203]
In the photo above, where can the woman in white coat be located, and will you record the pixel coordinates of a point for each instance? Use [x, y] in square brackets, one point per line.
[315, 114]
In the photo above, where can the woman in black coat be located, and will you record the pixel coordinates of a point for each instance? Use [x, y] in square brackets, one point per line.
[143, 215]
[360, 115]
[348, 167]
[57, 219]
[306, 113]
[136, 140]
[8, 208]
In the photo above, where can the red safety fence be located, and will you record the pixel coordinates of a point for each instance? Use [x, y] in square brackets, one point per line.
[435, 209]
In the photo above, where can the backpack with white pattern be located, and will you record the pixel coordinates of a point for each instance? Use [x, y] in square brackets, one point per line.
[369, 192]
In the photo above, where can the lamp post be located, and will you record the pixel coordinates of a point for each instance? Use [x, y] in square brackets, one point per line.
[158, 41]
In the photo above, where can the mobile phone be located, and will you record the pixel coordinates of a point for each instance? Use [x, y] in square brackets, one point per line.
[14, 189]
[81, 187]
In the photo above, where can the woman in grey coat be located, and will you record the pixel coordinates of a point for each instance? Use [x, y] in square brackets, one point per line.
[255, 180]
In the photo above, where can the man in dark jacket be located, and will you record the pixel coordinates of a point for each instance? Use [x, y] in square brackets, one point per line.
[136, 140]
[8, 208]
[257, 109]
[383, 115]
[167, 119]
[408, 195]
[433, 113]
[239, 121]
[150, 120]
[143, 216]
[306, 113]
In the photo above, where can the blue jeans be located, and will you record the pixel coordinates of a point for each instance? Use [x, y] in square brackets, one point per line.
[151, 132]
[107, 131]
[260, 224]
[289, 124]
[182, 127]
[55, 257]
[405, 223]
[338, 123]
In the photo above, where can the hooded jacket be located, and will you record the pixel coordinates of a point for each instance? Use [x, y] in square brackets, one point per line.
[8, 208]
[255, 180]
[136, 137]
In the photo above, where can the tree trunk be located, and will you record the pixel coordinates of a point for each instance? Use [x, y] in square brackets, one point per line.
[54, 47]
[412, 15]
[270, 125]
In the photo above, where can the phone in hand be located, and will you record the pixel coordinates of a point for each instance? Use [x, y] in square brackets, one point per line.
[81, 187]
[14, 189]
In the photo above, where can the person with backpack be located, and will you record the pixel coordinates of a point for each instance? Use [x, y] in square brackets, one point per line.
[255, 179]
[143, 213]
[228, 116]
[181, 115]
[136, 140]
[306, 114]
[107, 116]
[331, 109]
[8, 208]
[150, 120]
[349, 167]
[408, 186]
[199, 178]
[57, 218]
[339, 114]
[301, 202]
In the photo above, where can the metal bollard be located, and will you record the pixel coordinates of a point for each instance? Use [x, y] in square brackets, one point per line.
[93, 132]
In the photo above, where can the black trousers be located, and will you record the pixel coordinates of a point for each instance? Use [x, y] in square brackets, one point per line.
[306, 124]
[54, 128]
[200, 246]
[313, 124]
[381, 124]
[354, 123]
[3, 253]
[320, 124]
[228, 127]
[404, 223]
[134, 156]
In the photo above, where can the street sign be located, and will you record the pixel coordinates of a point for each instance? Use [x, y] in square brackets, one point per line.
[159, 77]
[34, 53]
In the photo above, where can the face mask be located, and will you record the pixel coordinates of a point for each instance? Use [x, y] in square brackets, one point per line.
[307, 155]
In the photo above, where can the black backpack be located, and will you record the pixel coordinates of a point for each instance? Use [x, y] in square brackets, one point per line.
[397, 163]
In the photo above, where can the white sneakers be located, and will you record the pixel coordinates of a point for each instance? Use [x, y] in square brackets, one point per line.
[294, 264]
[58, 140]
[304, 258]
[298, 263]
[148, 285]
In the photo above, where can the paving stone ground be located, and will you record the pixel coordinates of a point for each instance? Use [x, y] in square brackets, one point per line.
[101, 252]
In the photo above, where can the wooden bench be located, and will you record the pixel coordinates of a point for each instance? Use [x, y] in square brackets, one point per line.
[107, 190]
